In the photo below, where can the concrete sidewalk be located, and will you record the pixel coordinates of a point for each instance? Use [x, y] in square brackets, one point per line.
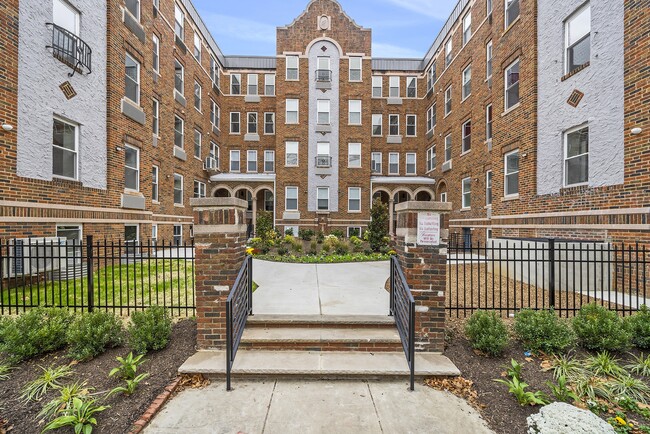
[286, 407]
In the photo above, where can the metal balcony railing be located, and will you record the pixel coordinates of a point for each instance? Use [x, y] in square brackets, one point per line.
[323, 161]
[71, 50]
[324, 75]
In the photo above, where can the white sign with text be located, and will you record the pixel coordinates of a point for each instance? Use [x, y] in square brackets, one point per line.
[428, 228]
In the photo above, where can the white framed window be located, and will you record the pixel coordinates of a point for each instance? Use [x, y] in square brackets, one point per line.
[197, 47]
[179, 77]
[448, 101]
[179, 132]
[466, 145]
[512, 85]
[291, 154]
[431, 158]
[291, 199]
[324, 72]
[133, 6]
[576, 156]
[291, 116]
[466, 184]
[199, 189]
[251, 123]
[355, 68]
[393, 163]
[64, 15]
[198, 139]
[131, 236]
[323, 108]
[269, 84]
[198, 90]
[443, 196]
[354, 155]
[488, 188]
[448, 51]
[511, 173]
[488, 60]
[411, 87]
[178, 235]
[323, 158]
[155, 54]
[376, 162]
[447, 148]
[577, 39]
[252, 80]
[269, 201]
[354, 199]
[354, 231]
[292, 68]
[377, 86]
[154, 234]
[431, 118]
[431, 77]
[179, 22]
[488, 122]
[393, 86]
[215, 71]
[215, 152]
[377, 124]
[132, 79]
[131, 168]
[155, 173]
[251, 161]
[235, 84]
[467, 82]
[269, 123]
[155, 117]
[411, 125]
[411, 163]
[393, 125]
[269, 161]
[512, 12]
[235, 123]
[235, 162]
[467, 27]
[323, 198]
[215, 114]
[354, 113]
[65, 149]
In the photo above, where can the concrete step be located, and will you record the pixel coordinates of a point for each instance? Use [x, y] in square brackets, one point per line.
[318, 364]
[320, 321]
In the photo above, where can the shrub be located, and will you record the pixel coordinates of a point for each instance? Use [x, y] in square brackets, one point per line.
[543, 331]
[264, 224]
[313, 247]
[639, 326]
[342, 248]
[487, 332]
[378, 227]
[327, 247]
[282, 250]
[320, 237]
[150, 329]
[93, 333]
[306, 234]
[598, 328]
[37, 331]
[338, 233]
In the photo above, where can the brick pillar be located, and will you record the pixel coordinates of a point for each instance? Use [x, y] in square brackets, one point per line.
[220, 249]
[424, 262]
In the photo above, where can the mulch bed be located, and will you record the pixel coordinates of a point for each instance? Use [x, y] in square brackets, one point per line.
[125, 410]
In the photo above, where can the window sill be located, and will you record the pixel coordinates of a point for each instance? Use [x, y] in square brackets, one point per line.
[465, 152]
[235, 134]
[446, 115]
[488, 206]
[155, 202]
[465, 209]
[510, 197]
[198, 158]
[514, 107]
[354, 212]
[575, 71]
[512, 24]
[414, 137]
[179, 206]
[465, 99]
[429, 171]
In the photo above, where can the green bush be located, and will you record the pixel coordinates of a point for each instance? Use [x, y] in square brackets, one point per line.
[320, 237]
[487, 332]
[264, 224]
[342, 248]
[598, 328]
[150, 329]
[37, 331]
[543, 331]
[306, 234]
[93, 333]
[313, 247]
[338, 233]
[378, 227]
[282, 250]
[639, 326]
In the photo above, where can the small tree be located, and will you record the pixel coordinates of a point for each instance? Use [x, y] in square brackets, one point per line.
[378, 227]
[264, 224]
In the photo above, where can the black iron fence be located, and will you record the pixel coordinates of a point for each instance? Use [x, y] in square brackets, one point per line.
[239, 306]
[115, 275]
[507, 275]
[402, 307]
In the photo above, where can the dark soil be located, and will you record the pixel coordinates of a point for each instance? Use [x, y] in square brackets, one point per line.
[125, 410]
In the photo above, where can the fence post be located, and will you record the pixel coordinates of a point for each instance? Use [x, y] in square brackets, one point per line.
[89, 272]
[551, 272]
[250, 284]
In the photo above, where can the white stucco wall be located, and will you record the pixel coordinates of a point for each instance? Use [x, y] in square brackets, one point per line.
[602, 84]
[39, 96]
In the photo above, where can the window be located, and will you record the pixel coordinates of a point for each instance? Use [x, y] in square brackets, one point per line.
[467, 28]
[215, 114]
[214, 71]
[488, 122]
[377, 124]
[269, 84]
[576, 156]
[354, 231]
[354, 116]
[354, 154]
[467, 82]
[393, 87]
[131, 168]
[65, 149]
[447, 100]
[154, 234]
[132, 79]
[199, 189]
[179, 132]
[179, 22]
[355, 68]
[511, 173]
[131, 236]
[393, 163]
[235, 84]
[197, 47]
[252, 84]
[291, 199]
[323, 198]
[179, 77]
[234, 161]
[488, 188]
[354, 199]
[252, 123]
[292, 111]
[292, 67]
[431, 158]
[251, 161]
[291, 156]
[269, 123]
[269, 161]
[512, 85]
[156, 54]
[447, 147]
[443, 196]
[467, 136]
[66, 16]
[155, 171]
[431, 118]
[448, 48]
[411, 87]
[323, 108]
[393, 125]
[512, 11]
[197, 143]
[323, 158]
[197, 95]
[178, 235]
[235, 121]
[431, 77]
[467, 192]
[178, 189]
[577, 35]
[411, 166]
[155, 116]
[488, 60]
[269, 201]
[214, 152]
[323, 73]
[376, 161]
[377, 86]
[133, 6]
[411, 125]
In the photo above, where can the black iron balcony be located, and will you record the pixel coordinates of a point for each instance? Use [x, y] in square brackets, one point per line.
[70, 49]
[323, 161]
[323, 75]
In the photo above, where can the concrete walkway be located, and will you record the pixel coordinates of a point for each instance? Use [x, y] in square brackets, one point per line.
[287, 407]
[321, 289]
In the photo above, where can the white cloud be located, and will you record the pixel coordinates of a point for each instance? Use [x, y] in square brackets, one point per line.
[394, 51]
[439, 9]
[239, 28]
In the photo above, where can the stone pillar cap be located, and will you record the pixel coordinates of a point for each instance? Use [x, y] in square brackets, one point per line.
[423, 206]
[219, 202]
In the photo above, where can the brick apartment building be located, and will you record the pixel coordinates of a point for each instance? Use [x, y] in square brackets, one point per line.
[531, 117]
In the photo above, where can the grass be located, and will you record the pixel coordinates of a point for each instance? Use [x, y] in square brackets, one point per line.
[168, 282]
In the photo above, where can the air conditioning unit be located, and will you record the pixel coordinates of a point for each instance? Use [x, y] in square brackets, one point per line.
[30, 256]
[210, 164]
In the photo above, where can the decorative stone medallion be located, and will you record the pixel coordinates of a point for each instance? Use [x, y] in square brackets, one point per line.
[324, 22]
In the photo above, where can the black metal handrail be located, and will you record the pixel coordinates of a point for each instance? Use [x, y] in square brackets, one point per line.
[70, 49]
[323, 75]
[402, 307]
[239, 306]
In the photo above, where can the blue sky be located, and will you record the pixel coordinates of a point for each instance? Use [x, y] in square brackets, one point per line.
[400, 28]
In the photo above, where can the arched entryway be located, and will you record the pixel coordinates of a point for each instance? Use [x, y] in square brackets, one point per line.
[221, 192]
